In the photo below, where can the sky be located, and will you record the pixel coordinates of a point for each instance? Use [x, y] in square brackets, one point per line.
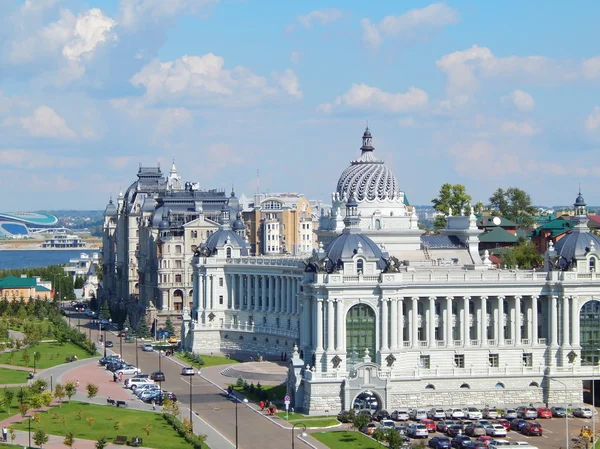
[486, 94]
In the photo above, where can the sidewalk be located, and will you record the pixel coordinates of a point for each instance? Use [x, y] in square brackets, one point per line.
[56, 442]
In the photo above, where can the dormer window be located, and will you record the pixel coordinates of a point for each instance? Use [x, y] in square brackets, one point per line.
[592, 263]
[229, 253]
[378, 224]
[360, 266]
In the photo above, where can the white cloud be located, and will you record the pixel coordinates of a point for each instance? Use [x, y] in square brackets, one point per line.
[321, 16]
[295, 57]
[522, 100]
[519, 128]
[407, 122]
[289, 83]
[204, 78]
[35, 160]
[591, 67]
[362, 96]
[410, 24]
[36, 6]
[132, 13]
[593, 120]
[171, 119]
[90, 30]
[44, 122]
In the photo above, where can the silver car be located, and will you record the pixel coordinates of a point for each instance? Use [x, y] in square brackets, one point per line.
[583, 412]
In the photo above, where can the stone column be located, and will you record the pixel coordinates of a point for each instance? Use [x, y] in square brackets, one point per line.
[575, 343]
[566, 341]
[319, 304]
[431, 323]
[554, 320]
[448, 322]
[263, 293]
[248, 293]
[400, 309]
[339, 309]
[517, 336]
[240, 292]
[484, 324]
[330, 324]
[288, 302]
[200, 293]
[384, 325]
[278, 294]
[212, 292]
[465, 325]
[500, 341]
[395, 325]
[415, 322]
[534, 320]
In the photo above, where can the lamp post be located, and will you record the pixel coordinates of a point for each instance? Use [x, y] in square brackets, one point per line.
[34, 362]
[303, 432]
[136, 352]
[566, 411]
[160, 368]
[121, 344]
[30, 431]
[191, 422]
[101, 326]
[237, 401]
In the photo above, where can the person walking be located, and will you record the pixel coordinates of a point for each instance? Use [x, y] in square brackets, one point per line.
[4, 434]
[77, 383]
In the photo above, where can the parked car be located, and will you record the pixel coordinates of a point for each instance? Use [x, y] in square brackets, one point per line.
[457, 441]
[454, 430]
[475, 430]
[164, 396]
[136, 382]
[454, 413]
[369, 428]
[436, 413]
[510, 413]
[147, 348]
[505, 423]
[442, 425]
[495, 442]
[472, 413]
[485, 439]
[583, 412]
[559, 412]
[516, 424]
[380, 415]
[430, 424]
[128, 370]
[473, 445]
[109, 344]
[490, 413]
[527, 413]
[399, 415]
[115, 366]
[496, 430]
[122, 334]
[417, 415]
[418, 430]
[387, 424]
[544, 412]
[157, 376]
[366, 412]
[187, 371]
[439, 443]
[402, 429]
[532, 428]
[141, 389]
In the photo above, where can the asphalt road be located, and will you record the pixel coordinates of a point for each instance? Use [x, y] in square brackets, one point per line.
[208, 401]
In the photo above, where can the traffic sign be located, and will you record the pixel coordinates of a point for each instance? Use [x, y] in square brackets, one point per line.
[287, 399]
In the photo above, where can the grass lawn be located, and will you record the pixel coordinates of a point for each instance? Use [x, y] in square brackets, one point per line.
[13, 376]
[209, 360]
[52, 354]
[162, 435]
[346, 440]
[275, 392]
[310, 421]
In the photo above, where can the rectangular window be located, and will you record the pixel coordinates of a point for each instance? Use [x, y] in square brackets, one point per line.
[251, 320]
[264, 320]
[220, 299]
[289, 324]
[494, 360]
[424, 361]
[220, 282]
[527, 359]
[178, 264]
[177, 278]
[277, 322]
[459, 360]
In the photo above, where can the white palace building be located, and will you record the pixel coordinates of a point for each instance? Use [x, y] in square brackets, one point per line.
[413, 319]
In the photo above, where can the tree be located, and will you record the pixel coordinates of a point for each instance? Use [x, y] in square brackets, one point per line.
[394, 439]
[451, 197]
[379, 434]
[101, 443]
[25, 356]
[69, 440]
[104, 311]
[46, 397]
[79, 281]
[35, 402]
[514, 204]
[169, 328]
[171, 408]
[59, 392]
[40, 437]
[92, 390]
[142, 330]
[37, 355]
[127, 324]
[70, 389]
[360, 421]
[523, 255]
[8, 398]
[148, 429]
[23, 409]
[12, 434]
[90, 420]
[117, 425]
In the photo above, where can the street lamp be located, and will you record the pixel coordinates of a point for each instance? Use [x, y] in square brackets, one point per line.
[121, 344]
[30, 431]
[191, 422]
[136, 352]
[303, 431]
[34, 362]
[566, 411]
[237, 401]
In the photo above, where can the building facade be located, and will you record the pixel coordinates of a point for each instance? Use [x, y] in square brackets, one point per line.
[407, 318]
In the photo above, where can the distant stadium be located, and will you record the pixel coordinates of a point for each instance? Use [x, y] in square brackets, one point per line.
[19, 224]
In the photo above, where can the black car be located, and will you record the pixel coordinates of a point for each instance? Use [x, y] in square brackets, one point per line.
[381, 414]
[160, 397]
[115, 366]
[109, 344]
[459, 440]
[439, 443]
[158, 376]
[559, 412]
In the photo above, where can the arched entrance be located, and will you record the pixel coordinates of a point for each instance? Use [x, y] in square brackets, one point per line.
[361, 330]
[178, 300]
[367, 400]
[589, 322]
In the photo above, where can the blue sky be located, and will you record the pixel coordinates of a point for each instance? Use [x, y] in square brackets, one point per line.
[487, 94]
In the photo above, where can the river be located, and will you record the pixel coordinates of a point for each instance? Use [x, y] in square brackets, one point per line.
[38, 258]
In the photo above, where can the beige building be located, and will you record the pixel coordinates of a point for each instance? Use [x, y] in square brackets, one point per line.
[281, 223]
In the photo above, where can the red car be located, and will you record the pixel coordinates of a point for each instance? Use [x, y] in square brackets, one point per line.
[485, 439]
[544, 412]
[505, 423]
[532, 428]
[430, 424]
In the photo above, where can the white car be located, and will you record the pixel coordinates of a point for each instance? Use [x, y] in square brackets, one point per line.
[135, 383]
[454, 413]
[187, 371]
[417, 415]
[583, 412]
[418, 431]
[387, 424]
[472, 413]
[147, 348]
[139, 391]
[496, 430]
[400, 415]
[490, 413]
[129, 370]
[436, 413]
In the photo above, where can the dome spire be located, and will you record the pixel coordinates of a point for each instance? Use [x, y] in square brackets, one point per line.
[367, 140]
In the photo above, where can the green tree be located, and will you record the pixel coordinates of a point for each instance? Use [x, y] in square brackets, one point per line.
[360, 421]
[79, 281]
[25, 356]
[92, 390]
[70, 389]
[59, 392]
[69, 440]
[127, 324]
[379, 434]
[523, 255]
[142, 330]
[514, 204]
[46, 398]
[40, 437]
[393, 439]
[104, 311]
[8, 398]
[35, 402]
[452, 197]
[169, 328]
[37, 355]
[101, 443]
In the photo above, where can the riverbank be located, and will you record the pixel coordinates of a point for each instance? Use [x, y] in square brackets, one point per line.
[36, 245]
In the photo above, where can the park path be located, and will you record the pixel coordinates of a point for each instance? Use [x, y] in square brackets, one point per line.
[19, 368]
[55, 442]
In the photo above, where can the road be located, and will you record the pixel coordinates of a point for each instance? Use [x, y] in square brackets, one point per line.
[209, 402]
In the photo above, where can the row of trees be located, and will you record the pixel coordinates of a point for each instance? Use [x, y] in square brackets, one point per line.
[512, 203]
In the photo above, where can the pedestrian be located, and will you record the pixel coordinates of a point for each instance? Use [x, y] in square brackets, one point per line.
[77, 383]
[120, 377]
[115, 377]
[4, 433]
[153, 404]
[262, 405]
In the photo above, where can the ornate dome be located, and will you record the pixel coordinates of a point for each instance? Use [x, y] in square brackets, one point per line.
[238, 224]
[368, 179]
[224, 237]
[346, 245]
[111, 209]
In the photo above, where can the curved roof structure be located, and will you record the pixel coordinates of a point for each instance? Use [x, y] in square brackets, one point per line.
[32, 219]
[346, 245]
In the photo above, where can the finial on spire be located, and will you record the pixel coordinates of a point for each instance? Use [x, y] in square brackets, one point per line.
[367, 140]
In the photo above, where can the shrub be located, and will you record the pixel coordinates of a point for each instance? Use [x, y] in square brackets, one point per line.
[240, 382]
[196, 441]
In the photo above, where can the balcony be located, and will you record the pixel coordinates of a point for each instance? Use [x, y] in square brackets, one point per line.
[250, 328]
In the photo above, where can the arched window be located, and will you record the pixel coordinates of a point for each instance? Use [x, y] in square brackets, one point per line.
[466, 386]
[360, 266]
[361, 328]
[499, 385]
[430, 387]
[378, 224]
[534, 384]
[229, 253]
[592, 264]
